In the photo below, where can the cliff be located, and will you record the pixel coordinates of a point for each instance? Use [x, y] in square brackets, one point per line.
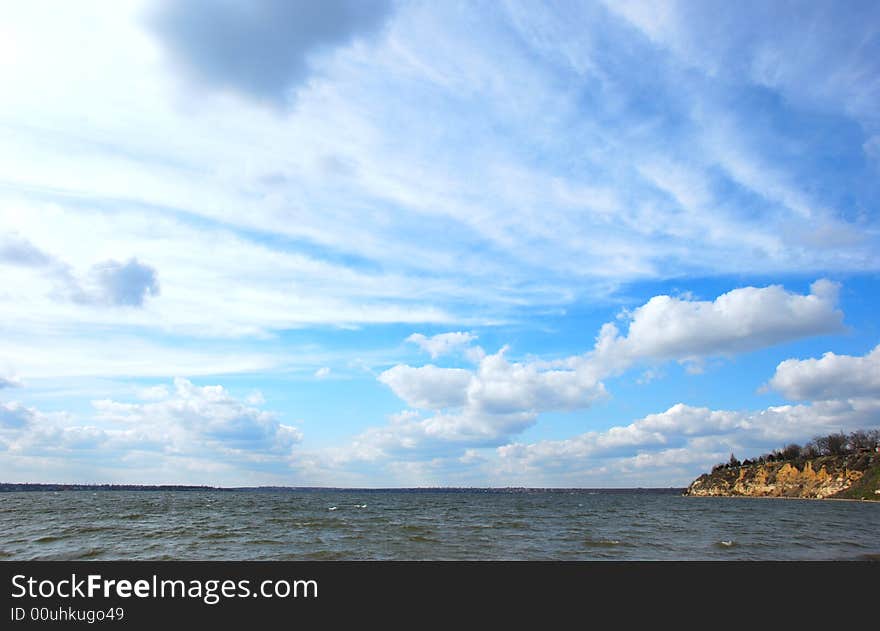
[854, 476]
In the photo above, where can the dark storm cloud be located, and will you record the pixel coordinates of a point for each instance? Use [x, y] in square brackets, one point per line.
[259, 48]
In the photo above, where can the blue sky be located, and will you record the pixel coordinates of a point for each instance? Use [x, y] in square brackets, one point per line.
[390, 243]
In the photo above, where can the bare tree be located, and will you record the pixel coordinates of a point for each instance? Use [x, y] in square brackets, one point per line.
[832, 444]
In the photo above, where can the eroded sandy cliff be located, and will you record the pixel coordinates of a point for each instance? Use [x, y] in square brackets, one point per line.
[822, 477]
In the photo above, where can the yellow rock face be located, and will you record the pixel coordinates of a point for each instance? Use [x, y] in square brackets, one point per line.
[776, 480]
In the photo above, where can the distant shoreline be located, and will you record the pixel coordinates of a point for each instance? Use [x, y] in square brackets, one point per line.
[12, 487]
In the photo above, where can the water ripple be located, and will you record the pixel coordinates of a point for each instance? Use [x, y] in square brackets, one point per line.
[545, 525]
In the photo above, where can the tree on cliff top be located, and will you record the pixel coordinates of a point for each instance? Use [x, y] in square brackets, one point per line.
[832, 444]
[838, 444]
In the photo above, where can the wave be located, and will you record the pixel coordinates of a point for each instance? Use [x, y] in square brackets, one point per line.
[602, 543]
[89, 553]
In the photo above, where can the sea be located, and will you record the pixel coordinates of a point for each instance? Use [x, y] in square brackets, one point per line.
[430, 524]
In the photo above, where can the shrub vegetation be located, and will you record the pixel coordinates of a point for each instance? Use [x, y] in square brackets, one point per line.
[839, 444]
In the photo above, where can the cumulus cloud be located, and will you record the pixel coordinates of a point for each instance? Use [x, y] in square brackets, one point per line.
[442, 343]
[323, 372]
[188, 434]
[498, 386]
[744, 319]
[428, 387]
[500, 398]
[502, 387]
[477, 407]
[263, 48]
[831, 377]
[670, 447]
[207, 413]
[412, 435]
[654, 430]
[686, 436]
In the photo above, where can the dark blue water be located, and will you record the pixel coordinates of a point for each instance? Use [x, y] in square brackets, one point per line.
[309, 525]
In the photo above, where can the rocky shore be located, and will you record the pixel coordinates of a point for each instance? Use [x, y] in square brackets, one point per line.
[851, 476]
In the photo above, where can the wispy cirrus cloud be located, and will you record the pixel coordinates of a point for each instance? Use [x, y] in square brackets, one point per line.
[527, 230]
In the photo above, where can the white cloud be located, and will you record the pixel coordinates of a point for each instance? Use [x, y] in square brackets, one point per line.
[482, 407]
[442, 343]
[48, 350]
[428, 387]
[206, 413]
[500, 398]
[669, 448]
[322, 373]
[497, 386]
[652, 431]
[180, 436]
[831, 377]
[745, 319]
[503, 387]
[418, 436]
[111, 166]
[678, 444]
[546, 180]
[250, 291]
[726, 40]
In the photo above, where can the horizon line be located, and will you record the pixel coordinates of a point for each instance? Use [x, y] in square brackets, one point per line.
[199, 487]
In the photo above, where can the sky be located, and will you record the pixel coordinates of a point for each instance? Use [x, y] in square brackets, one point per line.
[388, 243]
